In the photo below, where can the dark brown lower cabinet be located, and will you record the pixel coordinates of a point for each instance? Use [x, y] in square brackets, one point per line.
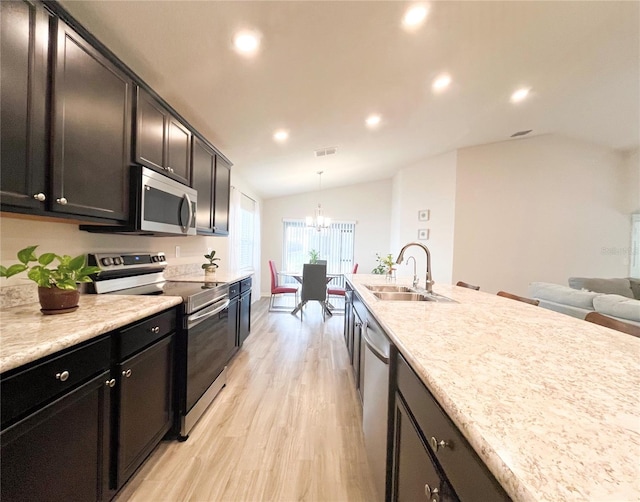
[61, 451]
[144, 405]
[244, 316]
[416, 476]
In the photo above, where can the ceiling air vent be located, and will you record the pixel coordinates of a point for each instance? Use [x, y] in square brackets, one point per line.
[521, 133]
[323, 152]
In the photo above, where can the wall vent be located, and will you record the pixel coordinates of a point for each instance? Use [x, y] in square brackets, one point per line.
[520, 133]
[323, 152]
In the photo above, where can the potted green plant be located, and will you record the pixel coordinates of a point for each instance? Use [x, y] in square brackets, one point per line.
[313, 256]
[57, 285]
[211, 266]
[386, 264]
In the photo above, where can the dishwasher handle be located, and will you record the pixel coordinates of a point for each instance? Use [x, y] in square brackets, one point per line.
[372, 346]
[204, 314]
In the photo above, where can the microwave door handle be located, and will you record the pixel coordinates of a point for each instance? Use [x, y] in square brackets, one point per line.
[186, 199]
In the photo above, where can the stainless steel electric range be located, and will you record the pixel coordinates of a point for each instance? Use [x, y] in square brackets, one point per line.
[206, 339]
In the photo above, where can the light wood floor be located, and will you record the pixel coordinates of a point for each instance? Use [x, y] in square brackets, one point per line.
[286, 427]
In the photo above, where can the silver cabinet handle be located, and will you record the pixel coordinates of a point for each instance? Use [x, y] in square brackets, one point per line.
[62, 376]
[62, 201]
[436, 445]
[155, 329]
[111, 383]
[40, 196]
[126, 374]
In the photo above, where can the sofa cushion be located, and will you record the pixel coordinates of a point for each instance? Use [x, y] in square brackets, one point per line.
[620, 287]
[618, 306]
[635, 287]
[562, 294]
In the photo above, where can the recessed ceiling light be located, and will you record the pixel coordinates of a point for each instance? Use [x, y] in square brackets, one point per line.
[373, 120]
[441, 82]
[415, 16]
[520, 94]
[281, 135]
[246, 42]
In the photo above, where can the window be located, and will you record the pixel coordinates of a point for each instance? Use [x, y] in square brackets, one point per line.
[334, 244]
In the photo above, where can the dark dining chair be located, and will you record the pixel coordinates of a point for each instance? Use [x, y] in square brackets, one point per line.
[276, 289]
[314, 286]
[603, 320]
[530, 301]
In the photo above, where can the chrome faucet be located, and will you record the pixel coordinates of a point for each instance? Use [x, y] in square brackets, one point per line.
[428, 280]
[415, 275]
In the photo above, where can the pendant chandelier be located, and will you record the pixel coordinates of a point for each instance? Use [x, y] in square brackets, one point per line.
[319, 220]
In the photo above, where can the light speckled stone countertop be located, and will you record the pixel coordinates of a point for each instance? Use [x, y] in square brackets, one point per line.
[229, 277]
[26, 335]
[549, 402]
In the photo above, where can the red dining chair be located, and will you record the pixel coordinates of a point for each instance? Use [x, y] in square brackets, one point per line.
[276, 289]
[338, 291]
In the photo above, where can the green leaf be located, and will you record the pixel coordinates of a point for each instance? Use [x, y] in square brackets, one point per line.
[77, 263]
[27, 254]
[46, 258]
[40, 276]
[12, 270]
[66, 284]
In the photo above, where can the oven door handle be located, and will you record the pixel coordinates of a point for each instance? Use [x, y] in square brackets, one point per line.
[196, 319]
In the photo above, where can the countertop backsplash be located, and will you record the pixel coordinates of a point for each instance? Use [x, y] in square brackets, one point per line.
[12, 296]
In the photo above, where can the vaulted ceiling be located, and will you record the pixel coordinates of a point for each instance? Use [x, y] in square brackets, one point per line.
[324, 66]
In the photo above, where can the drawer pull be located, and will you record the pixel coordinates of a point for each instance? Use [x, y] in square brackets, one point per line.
[111, 383]
[436, 445]
[126, 374]
[155, 329]
[62, 376]
[432, 494]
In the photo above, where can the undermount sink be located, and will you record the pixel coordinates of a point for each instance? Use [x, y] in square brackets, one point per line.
[389, 288]
[401, 296]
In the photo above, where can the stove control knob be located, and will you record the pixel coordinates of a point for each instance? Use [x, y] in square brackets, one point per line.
[155, 259]
[162, 258]
[117, 261]
[106, 261]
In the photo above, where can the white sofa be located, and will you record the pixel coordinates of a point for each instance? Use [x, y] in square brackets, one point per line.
[615, 298]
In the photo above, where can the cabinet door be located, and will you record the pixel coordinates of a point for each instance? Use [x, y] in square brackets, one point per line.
[24, 53]
[233, 327]
[203, 176]
[178, 151]
[244, 317]
[92, 131]
[151, 132]
[145, 405]
[415, 476]
[221, 203]
[60, 452]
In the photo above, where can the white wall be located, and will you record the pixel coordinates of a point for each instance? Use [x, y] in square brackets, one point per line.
[369, 204]
[429, 184]
[540, 209]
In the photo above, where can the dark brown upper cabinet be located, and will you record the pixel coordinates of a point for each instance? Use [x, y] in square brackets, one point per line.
[221, 202]
[210, 175]
[24, 56]
[91, 138]
[162, 141]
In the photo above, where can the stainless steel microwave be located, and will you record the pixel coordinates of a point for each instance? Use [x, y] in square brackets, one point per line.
[158, 206]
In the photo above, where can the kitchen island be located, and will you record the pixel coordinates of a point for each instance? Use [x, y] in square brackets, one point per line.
[550, 403]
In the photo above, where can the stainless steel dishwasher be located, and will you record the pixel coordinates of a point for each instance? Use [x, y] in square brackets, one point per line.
[375, 401]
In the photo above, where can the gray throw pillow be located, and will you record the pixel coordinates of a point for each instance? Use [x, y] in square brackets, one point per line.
[562, 294]
[620, 287]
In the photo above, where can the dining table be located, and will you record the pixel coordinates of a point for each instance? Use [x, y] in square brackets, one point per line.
[326, 305]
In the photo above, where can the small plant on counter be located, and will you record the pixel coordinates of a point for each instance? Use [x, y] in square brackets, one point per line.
[313, 256]
[66, 275]
[211, 266]
[57, 285]
[385, 265]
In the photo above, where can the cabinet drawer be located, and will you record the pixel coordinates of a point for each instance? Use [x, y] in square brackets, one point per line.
[144, 333]
[234, 289]
[469, 477]
[245, 285]
[35, 386]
